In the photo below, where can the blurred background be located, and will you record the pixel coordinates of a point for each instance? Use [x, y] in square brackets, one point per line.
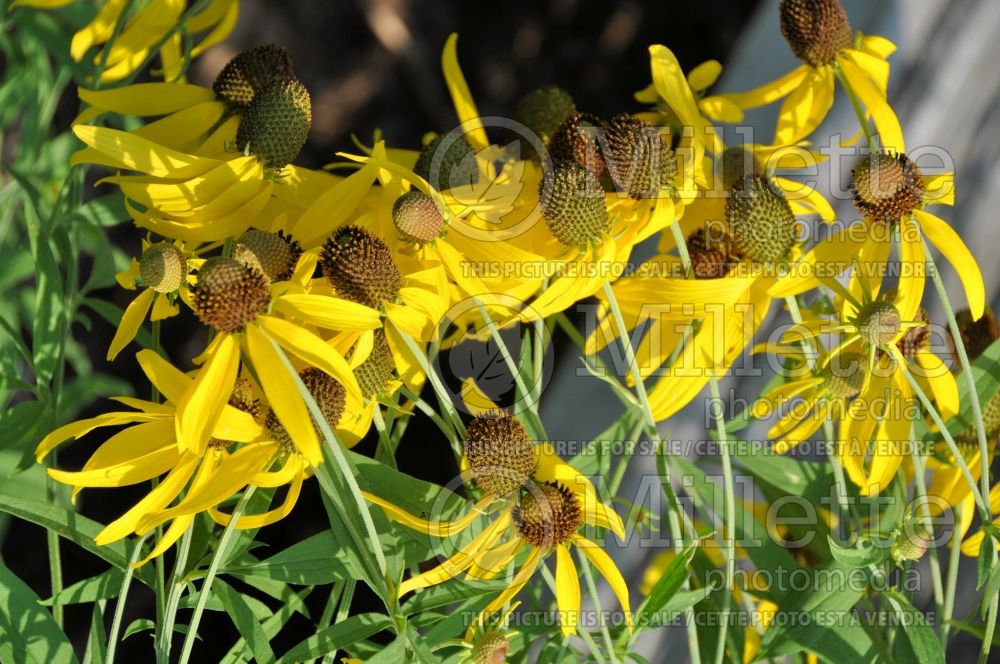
[376, 65]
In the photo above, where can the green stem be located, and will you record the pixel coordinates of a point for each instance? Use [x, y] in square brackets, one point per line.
[954, 558]
[385, 453]
[858, 111]
[963, 358]
[928, 523]
[116, 622]
[177, 585]
[522, 389]
[984, 510]
[729, 520]
[588, 577]
[991, 624]
[213, 569]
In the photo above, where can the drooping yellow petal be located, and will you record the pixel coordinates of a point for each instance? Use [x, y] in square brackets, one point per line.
[939, 189]
[805, 108]
[313, 350]
[251, 521]
[138, 154]
[567, 591]
[432, 528]
[773, 91]
[168, 379]
[606, 566]
[516, 584]
[145, 99]
[132, 318]
[465, 107]
[83, 427]
[328, 312]
[704, 75]
[913, 271]
[934, 373]
[943, 236]
[461, 560]
[283, 394]
[201, 405]
[891, 134]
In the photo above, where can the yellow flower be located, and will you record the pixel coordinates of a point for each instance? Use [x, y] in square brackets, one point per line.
[820, 35]
[162, 272]
[537, 503]
[196, 198]
[143, 30]
[252, 318]
[970, 546]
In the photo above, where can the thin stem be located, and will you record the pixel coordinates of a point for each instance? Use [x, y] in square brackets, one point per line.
[177, 585]
[213, 568]
[522, 389]
[921, 495]
[116, 622]
[963, 358]
[984, 510]
[858, 111]
[385, 452]
[954, 558]
[588, 577]
[729, 520]
[991, 624]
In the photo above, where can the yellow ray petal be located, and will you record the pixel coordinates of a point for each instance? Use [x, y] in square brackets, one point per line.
[201, 405]
[567, 591]
[168, 379]
[283, 394]
[131, 321]
[328, 312]
[943, 236]
[83, 427]
[251, 521]
[465, 107]
[934, 373]
[891, 134]
[606, 566]
[432, 528]
[144, 99]
[313, 350]
[805, 108]
[139, 154]
[771, 92]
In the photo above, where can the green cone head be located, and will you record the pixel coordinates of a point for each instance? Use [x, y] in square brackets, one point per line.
[359, 265]
[252, 71]
[573, 205]
[543, 109]
[275, 125]
[641, 159]
[762, 227]
[446, 162]
[417, 217]
[162, 267]
[273, 254]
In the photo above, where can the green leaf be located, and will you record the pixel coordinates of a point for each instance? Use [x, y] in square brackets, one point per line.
[97, 640]
[337, 636]
[245, 621]
[104, 211]
[665, 588]
[76, 528]
[446, 594]
[867, 554]
[923, 642]
[27, 631]
[984, 561]
[141, 625]
[992, 587]
[240, 651]
[21, 423]
[103, 586]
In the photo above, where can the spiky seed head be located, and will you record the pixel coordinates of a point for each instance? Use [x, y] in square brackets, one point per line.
[417, 217]
[641, 159]
[228, 295]
[577, 139]
[490, 648]
[977, 335]
[573, 205]
[359, 265]
[251, 71]
[879, 322]
[709, 259]
[162, 267]
[330, 396]
[276, 124]
[543, 109]
[887, 186]
[548, 515]
[447, 161]
[762, 227]
[242, 398]
[817, 30]
[377, 369]
[738, 164]
[501, 456]
[845, 374]
[916, 338]
[273, 254]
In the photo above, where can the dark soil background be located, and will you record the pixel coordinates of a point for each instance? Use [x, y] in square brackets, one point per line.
[371, 65]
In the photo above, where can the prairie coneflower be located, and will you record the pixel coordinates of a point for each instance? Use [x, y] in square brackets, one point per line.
[538, 503]
[820, 35]
[251, 317]
[195, 119]
[162, 274]
[204, 199]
